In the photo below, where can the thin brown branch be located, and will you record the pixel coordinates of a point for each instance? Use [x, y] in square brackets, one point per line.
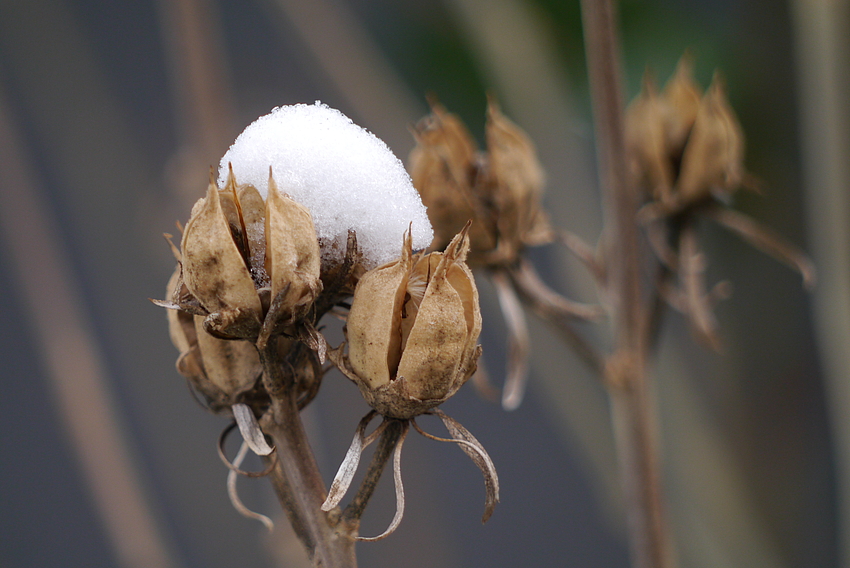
[629, 295]
[329, 539]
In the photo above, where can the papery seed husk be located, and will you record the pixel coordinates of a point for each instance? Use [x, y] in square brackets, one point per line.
[374, 322]
[646, 142]
[254, 219]
[213, 268]
[293, 259]
[231, 365]
[517, 179]
[714, 155]
[682, 97]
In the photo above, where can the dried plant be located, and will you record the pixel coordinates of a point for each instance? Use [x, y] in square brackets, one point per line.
[253, 283]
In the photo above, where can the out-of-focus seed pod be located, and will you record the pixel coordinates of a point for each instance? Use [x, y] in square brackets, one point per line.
[516, 178]
[500, 190]
[647, 145]
[413, 330]
[713, 159]
[443, 167]
[681, 96]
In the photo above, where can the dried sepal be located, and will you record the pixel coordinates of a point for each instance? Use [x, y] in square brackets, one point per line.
[647, 143]
[399, 488]
[713, 158]
[476, 452]
[292, 260]
[214, 270]
[345, 475]
[691, 272]
[250, 429]
[518, 342]
[233, 494]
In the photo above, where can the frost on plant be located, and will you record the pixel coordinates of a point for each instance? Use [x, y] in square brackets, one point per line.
[343, 174]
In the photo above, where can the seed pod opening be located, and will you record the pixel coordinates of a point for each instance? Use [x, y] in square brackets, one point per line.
[413, 330]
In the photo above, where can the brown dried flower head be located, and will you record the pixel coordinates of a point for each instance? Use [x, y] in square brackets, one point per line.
[221, 371]
[500, 189]
[413, 330]
[242, 255]
[684, 146]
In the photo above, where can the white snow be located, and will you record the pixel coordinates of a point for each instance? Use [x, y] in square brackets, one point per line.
[346, 176]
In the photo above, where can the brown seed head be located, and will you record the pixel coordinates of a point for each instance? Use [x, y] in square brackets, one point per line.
[500, 189]
[413, 330]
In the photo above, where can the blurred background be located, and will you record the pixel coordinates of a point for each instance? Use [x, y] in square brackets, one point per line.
[111, 114]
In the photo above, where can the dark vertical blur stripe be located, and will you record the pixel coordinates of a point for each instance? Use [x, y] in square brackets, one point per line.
[71, 358]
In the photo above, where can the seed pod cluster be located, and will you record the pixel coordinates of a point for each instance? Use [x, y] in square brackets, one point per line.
[500, 189]
[684, 146]
[248, 269]
[413, 330]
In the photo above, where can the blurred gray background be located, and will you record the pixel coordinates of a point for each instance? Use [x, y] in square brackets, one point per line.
[111, 114]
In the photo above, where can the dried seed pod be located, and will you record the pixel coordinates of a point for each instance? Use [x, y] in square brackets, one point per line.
[219, 370]
[292, 257]
[681, 96]
[443, 167]
[237, 246]
[713, 157]
[413, 330]
[516, 178]
[647, 144]
[215, 272]
[500, 189]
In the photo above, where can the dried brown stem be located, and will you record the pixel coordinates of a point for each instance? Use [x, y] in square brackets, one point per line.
[328, 538]
[629, 295]
[558, 311]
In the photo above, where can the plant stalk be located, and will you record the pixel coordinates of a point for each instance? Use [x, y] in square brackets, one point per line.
[631, 296]
[329, 539]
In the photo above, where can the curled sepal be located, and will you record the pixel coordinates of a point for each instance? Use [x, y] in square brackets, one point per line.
[250, 429]
[240, 507]
[475, 450]
[518, 342]
[348, 468]
[767, 241]
[691, 271]
[399, 488]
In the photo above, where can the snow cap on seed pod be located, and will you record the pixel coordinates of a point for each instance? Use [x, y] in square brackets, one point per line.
[413, 330]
